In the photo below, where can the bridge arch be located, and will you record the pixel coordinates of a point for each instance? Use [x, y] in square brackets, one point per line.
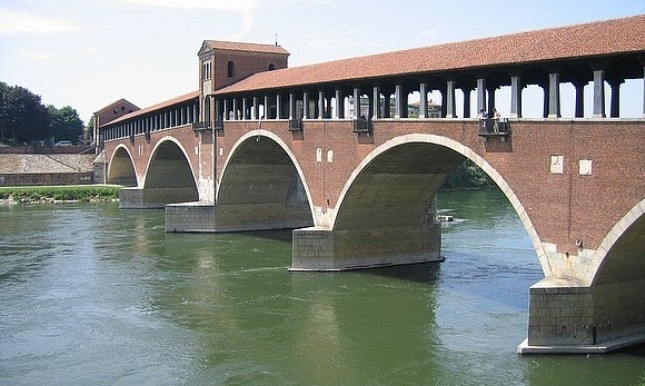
[262, 186]
[620, 257]
[122, 169]
[404, 158]
[169, 167]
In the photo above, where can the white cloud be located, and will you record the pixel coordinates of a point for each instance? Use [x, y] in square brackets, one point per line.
[14, 23]
[246, 9]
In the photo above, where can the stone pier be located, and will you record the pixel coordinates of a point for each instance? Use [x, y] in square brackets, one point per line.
[319, 249]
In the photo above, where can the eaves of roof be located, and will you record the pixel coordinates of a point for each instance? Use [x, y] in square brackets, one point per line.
[598, 39]
[158, 106]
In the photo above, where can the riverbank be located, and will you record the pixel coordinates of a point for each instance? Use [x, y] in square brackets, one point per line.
[58, 194]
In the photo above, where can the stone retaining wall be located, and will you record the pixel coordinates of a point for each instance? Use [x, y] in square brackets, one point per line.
[45, 179]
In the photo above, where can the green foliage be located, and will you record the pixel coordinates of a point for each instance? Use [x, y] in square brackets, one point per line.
[65, 124]
[24, 118]
[61, 193]
[467, 176]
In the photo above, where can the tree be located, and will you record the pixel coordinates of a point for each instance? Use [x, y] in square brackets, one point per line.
[23, 118]
[467, 176]
[65, 124]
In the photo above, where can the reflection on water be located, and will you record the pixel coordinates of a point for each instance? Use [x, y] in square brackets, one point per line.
[91, 294]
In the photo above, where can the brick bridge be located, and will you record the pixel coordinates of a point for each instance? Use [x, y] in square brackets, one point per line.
[340, 152]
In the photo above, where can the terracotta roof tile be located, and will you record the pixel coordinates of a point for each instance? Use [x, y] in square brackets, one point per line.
[625, 35]
[158, 106]
[236, 46]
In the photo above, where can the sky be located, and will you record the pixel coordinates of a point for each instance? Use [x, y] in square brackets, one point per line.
[90, 53]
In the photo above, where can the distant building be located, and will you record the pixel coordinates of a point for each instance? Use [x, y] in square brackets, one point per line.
[434, 109]
[109, 113]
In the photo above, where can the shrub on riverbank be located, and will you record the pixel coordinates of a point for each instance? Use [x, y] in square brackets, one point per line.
[467, 176]
[61, 193]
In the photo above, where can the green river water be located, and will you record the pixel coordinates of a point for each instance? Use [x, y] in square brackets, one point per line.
[94, 295]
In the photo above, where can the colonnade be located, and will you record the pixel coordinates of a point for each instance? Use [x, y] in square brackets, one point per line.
[388, 98]
[170, 117]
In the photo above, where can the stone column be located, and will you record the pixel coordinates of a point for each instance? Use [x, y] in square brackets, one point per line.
[255, 112]
[226, 117]
[245, 108]
[305, 105]
[357, 103]
[554, 95]
[491, 100]
[339, 109]
[614, 109]
[195, 113]
[451, 109]
[599, 94]
[292, 105]
[481, 94]
[516, 97]
[545, 102]
[423, 100]
[466, 92]
[376, 102]
[386, 104]
[278, 106]
[398, 95]
[267, 109]
[321, 104]
[236, 114]
[580, 98]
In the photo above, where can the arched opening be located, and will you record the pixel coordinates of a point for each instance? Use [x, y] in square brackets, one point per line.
[121, 171]
[170, 178]
[621, 275]
[386, 215]
[231, 69]
[261, 188]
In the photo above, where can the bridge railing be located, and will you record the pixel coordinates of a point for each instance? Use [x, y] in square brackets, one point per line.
[494, 127]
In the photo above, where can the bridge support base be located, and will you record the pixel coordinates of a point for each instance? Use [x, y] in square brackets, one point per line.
[567, 318]
[135, 198]
[319, 249]
[199, 217]
[190, 217]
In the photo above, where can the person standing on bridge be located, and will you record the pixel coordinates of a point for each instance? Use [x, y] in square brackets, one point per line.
[483, 115]
[496, 118]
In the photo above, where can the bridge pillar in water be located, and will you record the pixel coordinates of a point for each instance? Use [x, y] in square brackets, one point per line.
[566, 317]
[137, 198]
[209, 218]
[596, 304]
[320, 249]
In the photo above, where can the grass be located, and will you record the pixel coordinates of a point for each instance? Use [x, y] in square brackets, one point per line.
[60, 193]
